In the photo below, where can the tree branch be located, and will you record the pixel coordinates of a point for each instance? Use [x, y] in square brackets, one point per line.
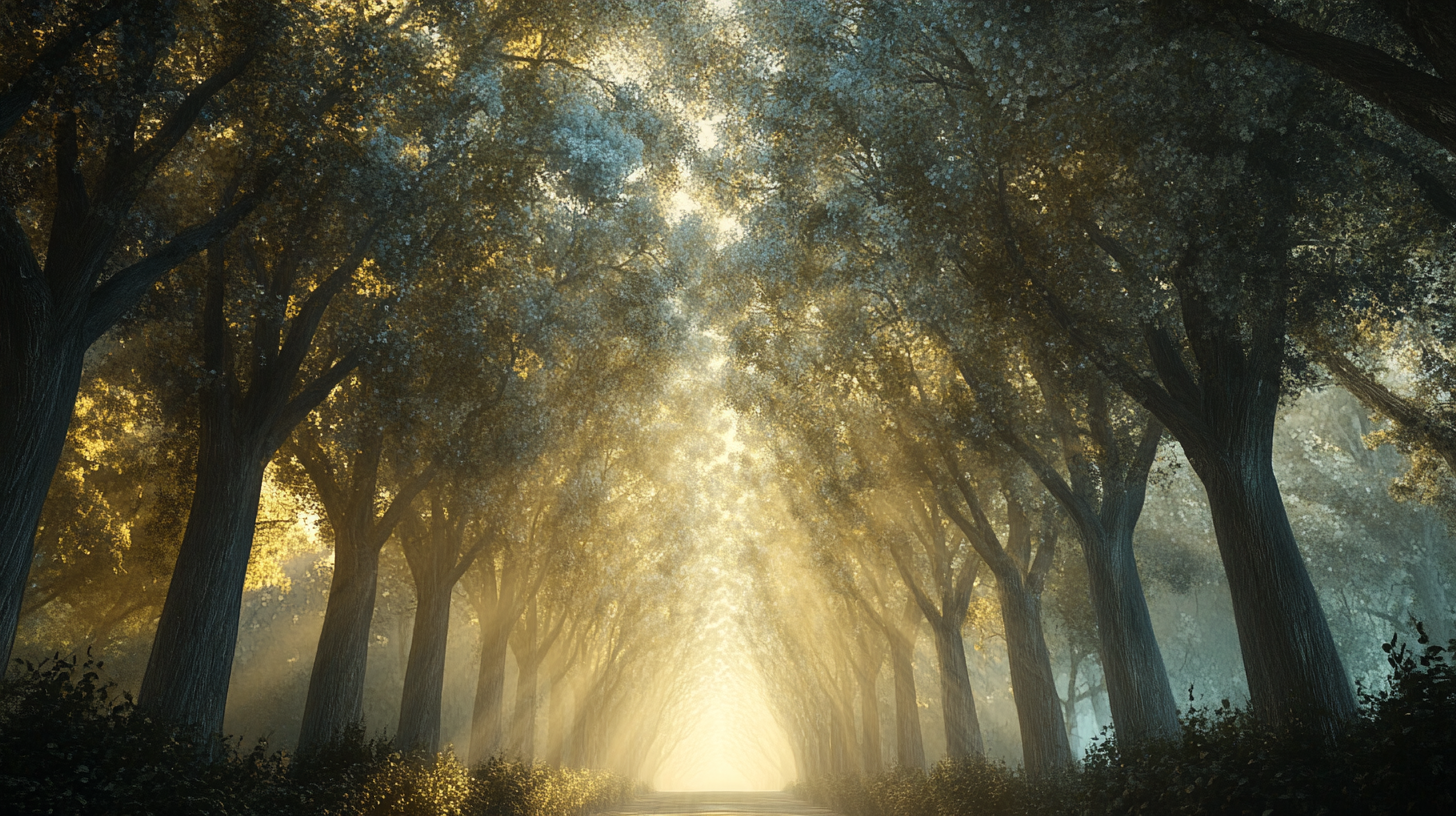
[119, 293]
[22, 93]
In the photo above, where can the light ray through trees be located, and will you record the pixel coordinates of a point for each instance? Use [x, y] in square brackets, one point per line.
[725, 393]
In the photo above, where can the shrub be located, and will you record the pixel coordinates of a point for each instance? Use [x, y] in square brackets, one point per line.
[70, 744]
[1399, 756]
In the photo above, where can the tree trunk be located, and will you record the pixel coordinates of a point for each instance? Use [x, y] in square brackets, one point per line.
[556, 722]
[424, 676]
[490, 684]
[523, 726]
[1294, 671]
[336, 686]
[1069, 702]
[40, 381]
[187, 675]
[958, 706]
[1038, 708]
[869, 714]
[1138, 690]
[909, 743]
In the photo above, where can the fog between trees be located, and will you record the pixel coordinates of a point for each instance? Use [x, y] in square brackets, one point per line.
[723, 393]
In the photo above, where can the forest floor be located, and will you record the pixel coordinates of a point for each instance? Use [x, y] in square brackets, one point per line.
[757, 803]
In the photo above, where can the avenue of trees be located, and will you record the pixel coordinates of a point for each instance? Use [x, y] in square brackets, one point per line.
[997, 372]
[392, 278]
[1000, 261]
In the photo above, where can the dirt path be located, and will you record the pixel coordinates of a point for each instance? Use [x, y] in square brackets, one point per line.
[720, 802]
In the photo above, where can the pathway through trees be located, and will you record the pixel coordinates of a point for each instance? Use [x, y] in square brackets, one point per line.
[730, 802]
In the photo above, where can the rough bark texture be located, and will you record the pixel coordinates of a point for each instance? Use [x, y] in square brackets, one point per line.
[1103, 494]
[40, 381]
[187, 675]
[1434, 429]
[336, 685]
[1294, 671]
[1219, 397]
[909, 742]
[958, 706]
[240, 429]
[1038, 707]
[1139, 695]
[424, 675]
[433, 551]
[50, 315]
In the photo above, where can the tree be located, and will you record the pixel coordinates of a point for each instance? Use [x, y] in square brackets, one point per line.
[435, 546]
[941, 119]
[1106, 448]
[103, 106]
[1409, 69]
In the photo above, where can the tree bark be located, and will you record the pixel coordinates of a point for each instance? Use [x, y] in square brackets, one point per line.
[433, 552]
[1038, 708]
[40, 379]
[336, 685]
[335, 699]
[1139, 694]
[909, 742]
[50, 316]
[186, 680]
[1294, 671]
[1223, 415]
[486, 732]
[528, 679]
[1103, 495]
[424, 675]
[188, 670]
[958, 706]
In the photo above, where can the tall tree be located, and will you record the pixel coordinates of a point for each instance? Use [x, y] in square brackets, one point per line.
[103, 106]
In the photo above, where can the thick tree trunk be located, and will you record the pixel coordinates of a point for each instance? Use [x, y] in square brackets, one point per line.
[336, 687]
[39, 380]
[1138, 691]
[1294, 671]
[958, 706]
[490, 684]
[872, 762]
[909, 742]
[187, 675]
[424, 675]
[1038, 708]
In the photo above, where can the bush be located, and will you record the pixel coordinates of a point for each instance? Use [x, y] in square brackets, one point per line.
[70, 744]
[1399, 756]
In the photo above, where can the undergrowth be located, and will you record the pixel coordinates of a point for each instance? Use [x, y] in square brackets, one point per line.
[1397, 757]
[71, 744]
